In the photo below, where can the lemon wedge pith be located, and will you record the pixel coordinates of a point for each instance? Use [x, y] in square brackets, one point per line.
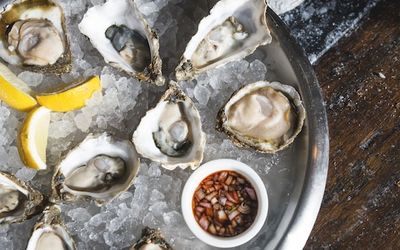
[33, 138]
[14, 91]
[71, 98]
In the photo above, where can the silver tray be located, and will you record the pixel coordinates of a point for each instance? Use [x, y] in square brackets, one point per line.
[296, 188]
[296, 185]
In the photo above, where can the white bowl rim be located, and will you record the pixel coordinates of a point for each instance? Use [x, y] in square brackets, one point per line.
[216, 166]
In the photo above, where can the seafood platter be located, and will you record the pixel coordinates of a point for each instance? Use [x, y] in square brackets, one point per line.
[171, 124]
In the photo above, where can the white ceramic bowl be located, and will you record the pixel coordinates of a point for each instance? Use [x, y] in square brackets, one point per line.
[216, 166]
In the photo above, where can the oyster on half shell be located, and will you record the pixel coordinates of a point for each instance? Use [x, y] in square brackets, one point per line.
[33, 34]
[50, 233]
[263, 115]
[232, 31]
[171, 132]
[122, 36]
[100, 167]
[151, 240]
[18, 201]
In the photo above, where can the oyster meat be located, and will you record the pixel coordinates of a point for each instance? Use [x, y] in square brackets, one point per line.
[171, 133]
[122, 36]
[18, 201]
[32, 33]
[232, 31]
[151, 240]
[50, 232]
[263, 115]
[101, 167]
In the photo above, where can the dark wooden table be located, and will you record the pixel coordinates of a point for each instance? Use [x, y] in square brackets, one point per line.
[360, 79]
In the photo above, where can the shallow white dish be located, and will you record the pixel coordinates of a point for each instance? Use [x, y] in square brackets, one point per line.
[216, 166]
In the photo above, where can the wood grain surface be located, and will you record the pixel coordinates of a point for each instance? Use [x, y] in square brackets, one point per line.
[360, 78]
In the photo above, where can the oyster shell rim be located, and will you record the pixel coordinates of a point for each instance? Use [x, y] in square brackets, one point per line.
[153, 72]
[35, 199]
[58, 178]
[63, 63]
[187, 71]
[243, 142]
[173, 94]
[50, 216]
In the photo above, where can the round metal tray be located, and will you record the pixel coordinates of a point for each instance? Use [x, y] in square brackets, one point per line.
[296, 188]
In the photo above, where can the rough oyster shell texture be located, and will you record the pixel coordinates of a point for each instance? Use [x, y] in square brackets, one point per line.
[152, 239]
[50, 233]
[19, 201]
[280, 109]
[42, 21]
[232, 31]
[116, 29]
[100, 167]
[171, 133]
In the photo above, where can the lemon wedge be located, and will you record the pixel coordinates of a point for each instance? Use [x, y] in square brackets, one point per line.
[14, 91]
[33, 138]
[71, 98]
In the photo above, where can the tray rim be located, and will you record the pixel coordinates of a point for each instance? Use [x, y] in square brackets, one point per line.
[310, 201]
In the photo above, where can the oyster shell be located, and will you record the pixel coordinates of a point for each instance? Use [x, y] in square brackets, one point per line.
[33, 34]
[263, 115]
[122, 36]
[171, 132]
[232, 31]
[50, 233]
[18, 200]
[151, 240]
[101, 167]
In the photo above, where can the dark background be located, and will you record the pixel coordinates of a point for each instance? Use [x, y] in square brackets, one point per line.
[360, 81]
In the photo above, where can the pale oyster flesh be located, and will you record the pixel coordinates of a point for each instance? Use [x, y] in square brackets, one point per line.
[50, 232]
[32, 33]
[219, 42]
[173, 137]
[171, 132]
[36, 41]
[101, 167]
[232, 31]
[131, 45]
[18, 201]
[122, 36]
[98, 175]
[266, 116]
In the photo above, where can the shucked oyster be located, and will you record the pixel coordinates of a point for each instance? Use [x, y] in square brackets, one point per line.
[50, 232]
[18, 201]
[122, 36]
[265, 116]
[232, 31]
[171, 133]
[101, 167]
[32, 33]
[151, 240]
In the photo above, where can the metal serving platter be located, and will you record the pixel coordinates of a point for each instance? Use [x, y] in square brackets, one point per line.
[296, 188]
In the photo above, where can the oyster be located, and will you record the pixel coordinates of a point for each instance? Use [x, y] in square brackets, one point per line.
[171, 132]
[263, 115]
[50, 232]
[101, 167]
[18, 201]
[232, 31]
[32, 34]
[122, 36]
[151, 240]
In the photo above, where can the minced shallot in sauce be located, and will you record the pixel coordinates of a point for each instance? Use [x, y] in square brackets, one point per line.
[225, 204]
